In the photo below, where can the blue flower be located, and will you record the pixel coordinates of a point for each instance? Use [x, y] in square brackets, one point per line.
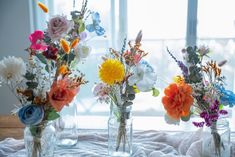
[31, 114]
[228, 97]
[95, 25]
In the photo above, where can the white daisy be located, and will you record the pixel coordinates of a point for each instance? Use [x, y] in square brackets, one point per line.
[12, 69]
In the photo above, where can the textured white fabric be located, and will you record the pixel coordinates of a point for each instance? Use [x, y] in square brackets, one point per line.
[93, 143]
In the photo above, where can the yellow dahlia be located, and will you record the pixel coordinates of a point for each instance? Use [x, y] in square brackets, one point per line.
[112, 71]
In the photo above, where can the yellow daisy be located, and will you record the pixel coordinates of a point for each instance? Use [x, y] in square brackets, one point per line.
[112, 71]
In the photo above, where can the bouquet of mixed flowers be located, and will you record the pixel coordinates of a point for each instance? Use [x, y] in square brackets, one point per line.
[50, 79]
[123, 74]
[199, 91]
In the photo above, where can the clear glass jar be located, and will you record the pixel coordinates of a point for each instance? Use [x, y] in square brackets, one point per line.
[40, 140]
[67, 126]
[216, 139]
[120, 132]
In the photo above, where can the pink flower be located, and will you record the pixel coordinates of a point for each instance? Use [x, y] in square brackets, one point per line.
[58, 27]
[101, 91]
[37, 42]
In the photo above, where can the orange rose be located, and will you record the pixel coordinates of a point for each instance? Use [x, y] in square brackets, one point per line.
[178, 100]
[62, 93]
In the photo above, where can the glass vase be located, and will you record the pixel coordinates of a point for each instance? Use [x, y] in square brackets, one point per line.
[120, 132]
[40, 140]
[67, 127]
[216, 139]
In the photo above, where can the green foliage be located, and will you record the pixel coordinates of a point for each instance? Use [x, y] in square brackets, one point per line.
[41, 58]
[68, 57]
[187, 118]
[29, 76]
[155, 92]
[32, 85]
[52, 115]
[82, 26]
[193, 57]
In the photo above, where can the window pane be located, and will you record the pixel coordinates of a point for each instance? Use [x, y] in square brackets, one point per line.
[86, 103]
[216, 29]
[159, 19]
[216, 19]
[163, 23]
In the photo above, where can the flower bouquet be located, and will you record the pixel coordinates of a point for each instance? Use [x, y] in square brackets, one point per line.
[201, 91]
[50, 79]
[123, 74]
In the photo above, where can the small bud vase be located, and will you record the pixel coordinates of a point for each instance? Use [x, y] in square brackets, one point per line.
[120, 132]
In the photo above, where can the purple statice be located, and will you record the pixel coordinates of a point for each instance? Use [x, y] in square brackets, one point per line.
[211, 115]
[199, 124]
[223, 112]
[182, 66]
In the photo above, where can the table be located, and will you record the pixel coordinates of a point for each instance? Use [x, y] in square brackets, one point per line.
[93, 143]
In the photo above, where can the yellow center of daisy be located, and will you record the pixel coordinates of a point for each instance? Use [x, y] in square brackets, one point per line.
[112, 71]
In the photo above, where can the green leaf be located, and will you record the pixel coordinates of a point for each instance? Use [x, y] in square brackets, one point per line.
[32, 85]
[221, 106]
[131, 96]
[41, 58]
[52, 115]
[29, 76]
[81, 27]
[155, 92]
[47, 68]
[185, 119]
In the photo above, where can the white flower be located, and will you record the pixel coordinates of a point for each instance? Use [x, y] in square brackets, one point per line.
[12, 69]
[143, 77]
[82, 51]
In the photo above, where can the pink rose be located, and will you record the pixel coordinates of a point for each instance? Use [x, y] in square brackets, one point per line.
[37, 42]
[58, 27]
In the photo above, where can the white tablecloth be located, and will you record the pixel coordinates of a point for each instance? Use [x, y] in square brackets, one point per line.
[93, 143]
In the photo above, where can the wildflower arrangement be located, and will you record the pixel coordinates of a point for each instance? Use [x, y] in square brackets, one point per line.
[50, 79]
[200, 90]
[123, 74]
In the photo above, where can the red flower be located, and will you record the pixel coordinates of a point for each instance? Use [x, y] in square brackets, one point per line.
[51, 53]
[62, 93]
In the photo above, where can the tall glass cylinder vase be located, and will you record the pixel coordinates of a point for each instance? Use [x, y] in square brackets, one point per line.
[216, 139]
[40, 140]
[120, 132]
[67, 126]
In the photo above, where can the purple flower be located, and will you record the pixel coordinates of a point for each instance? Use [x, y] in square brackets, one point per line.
[58, 27]
[199, 124]
[204, 114]
[82, 36]
[223, 112]
[183, 68]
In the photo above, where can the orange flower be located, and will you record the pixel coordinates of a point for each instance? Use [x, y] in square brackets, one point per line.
[43, 7]
[62, 93]
[178, 100]
[74, 43]
[64, 44]
[63, 69]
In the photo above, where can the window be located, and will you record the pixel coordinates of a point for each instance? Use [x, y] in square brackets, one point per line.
[165, 23]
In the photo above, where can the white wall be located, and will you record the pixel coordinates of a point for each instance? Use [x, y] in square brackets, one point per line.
[14, 32]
